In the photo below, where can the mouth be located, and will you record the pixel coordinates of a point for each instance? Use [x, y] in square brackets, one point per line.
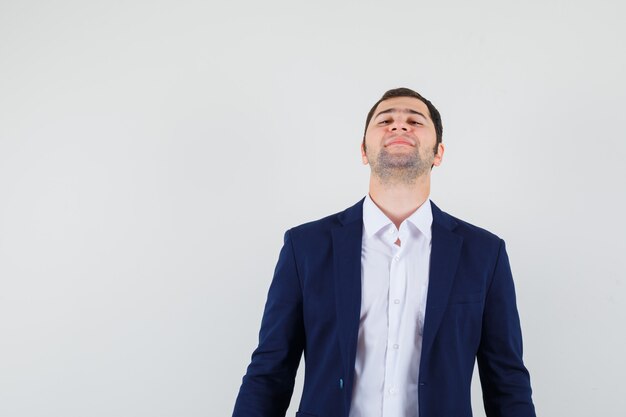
[399, 141]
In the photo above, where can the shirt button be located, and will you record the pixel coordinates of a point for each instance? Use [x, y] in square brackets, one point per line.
[396, 301]
[396, 346]
[392, 391]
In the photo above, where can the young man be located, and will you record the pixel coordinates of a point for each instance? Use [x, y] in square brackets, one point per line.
[391, 300]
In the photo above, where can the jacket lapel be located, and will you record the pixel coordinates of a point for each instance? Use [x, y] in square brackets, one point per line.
[444, 258]
[347, 269]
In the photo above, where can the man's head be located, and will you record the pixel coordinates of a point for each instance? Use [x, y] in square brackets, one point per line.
[402, 139]
[435, 117]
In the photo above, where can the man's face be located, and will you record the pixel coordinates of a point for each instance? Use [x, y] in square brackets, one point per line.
[400, 140]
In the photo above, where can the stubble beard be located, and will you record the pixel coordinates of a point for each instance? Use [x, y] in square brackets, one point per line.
[400, 168]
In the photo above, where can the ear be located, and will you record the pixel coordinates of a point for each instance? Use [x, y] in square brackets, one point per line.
[439, 155]
[363, 155]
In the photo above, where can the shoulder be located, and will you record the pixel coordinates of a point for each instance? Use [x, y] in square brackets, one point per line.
[472, 234]
[345, 217]
[317, 232]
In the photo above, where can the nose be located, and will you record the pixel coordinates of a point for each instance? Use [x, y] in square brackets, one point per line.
[399, 125]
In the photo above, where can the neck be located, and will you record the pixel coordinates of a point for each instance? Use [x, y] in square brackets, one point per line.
[399, 200]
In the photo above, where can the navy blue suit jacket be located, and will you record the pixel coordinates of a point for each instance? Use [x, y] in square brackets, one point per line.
[313, 306]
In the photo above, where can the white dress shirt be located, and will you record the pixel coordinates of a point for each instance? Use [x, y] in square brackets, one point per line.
[394, 284]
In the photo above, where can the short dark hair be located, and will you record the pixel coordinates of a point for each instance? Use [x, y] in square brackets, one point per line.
[407, 92]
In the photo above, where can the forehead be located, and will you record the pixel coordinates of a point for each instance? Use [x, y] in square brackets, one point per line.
[403, 104]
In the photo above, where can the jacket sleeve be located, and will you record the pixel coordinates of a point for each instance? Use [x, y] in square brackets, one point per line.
[267, 387]
[504, 378]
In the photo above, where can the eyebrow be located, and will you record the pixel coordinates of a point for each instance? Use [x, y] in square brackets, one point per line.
[393, 109]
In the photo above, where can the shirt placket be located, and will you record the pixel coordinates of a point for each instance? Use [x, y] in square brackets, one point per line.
[395, 311]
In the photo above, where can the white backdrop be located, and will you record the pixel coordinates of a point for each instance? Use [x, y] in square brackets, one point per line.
[152, 154]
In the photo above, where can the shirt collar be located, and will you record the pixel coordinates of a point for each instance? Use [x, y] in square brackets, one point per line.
[374, 219]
